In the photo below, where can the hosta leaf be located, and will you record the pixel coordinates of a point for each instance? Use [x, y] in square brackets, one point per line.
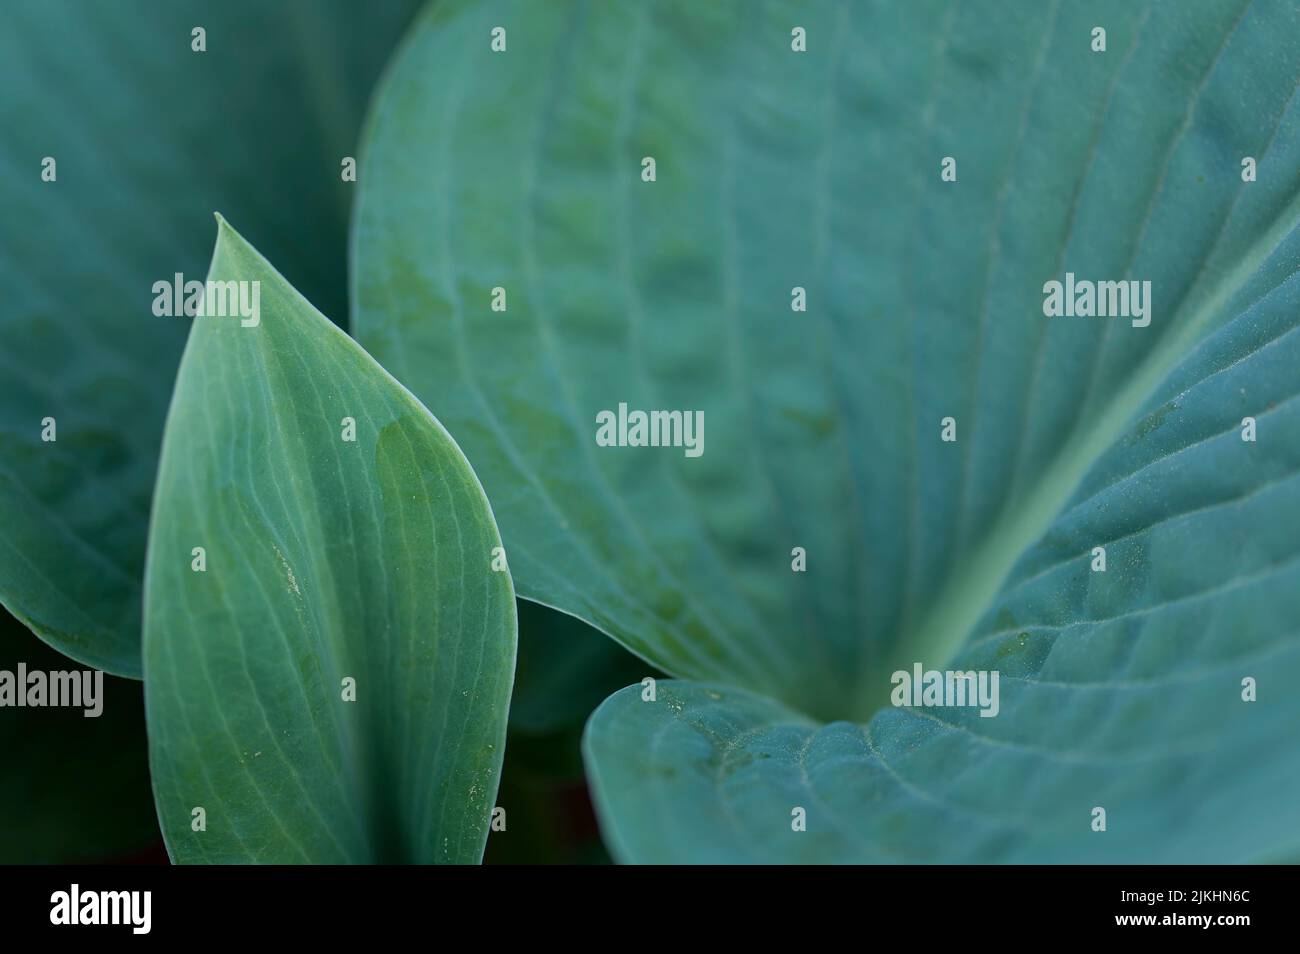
[778, 171]
[1186, 772]
[328, 564]
[147, 137]
[72, 788]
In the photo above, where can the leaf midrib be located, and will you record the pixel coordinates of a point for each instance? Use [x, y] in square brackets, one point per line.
[969, 593]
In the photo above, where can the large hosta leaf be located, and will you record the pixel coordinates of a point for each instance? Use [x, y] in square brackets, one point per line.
[329, 565]
[821, 170]
[1185, 771]
[148, 137]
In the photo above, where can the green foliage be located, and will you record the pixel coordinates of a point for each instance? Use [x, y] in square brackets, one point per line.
[329, 679]
[778, 171]
[825, 234]
[148, 138]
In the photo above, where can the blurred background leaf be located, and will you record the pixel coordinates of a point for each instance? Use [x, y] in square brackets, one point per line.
[149, 138]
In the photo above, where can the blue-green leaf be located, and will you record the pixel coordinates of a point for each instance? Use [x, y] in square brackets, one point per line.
[1186, 772]
[328, 648]
[784, 178]
[145, 136]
